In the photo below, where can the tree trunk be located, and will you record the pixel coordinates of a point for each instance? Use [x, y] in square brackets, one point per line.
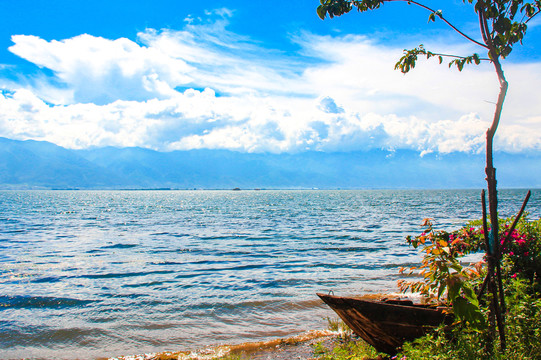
[494, 252]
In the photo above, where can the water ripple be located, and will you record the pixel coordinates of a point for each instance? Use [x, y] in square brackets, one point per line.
[98, 273]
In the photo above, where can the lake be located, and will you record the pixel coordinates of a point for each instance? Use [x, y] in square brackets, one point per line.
[86, 274]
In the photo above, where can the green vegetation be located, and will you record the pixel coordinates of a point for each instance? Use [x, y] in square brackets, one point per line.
[502, 25]
[523, 331]
[340, 327]
[347, 348]
[443, 278]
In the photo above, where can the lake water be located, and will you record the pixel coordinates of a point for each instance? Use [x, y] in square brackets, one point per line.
[86, 274]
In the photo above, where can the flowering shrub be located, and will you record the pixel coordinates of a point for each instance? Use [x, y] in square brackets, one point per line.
[522, 253]
[446, 281]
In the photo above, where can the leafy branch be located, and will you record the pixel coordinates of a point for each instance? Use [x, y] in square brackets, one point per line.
[498, 28]
[500, 31]
[443, 278]
[340, 7]
[409, 59]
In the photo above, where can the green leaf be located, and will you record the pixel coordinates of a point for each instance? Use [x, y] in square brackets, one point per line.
[469, 293]
[321, 12]
[453, 290]
[466, 311]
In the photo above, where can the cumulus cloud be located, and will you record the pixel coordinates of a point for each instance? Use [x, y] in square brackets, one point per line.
[98, 70]
[206, 87]
[194, 120]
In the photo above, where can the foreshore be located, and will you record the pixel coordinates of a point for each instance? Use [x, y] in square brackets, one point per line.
[296, 347]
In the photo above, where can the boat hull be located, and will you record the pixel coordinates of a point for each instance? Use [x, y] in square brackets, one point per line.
[386, 325]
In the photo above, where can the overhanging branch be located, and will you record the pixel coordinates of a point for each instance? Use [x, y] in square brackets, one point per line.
[444, 20]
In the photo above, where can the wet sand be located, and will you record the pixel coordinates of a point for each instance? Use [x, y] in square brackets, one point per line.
[300, 347]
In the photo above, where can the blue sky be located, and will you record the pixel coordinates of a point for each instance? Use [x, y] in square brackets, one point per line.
[254, 76]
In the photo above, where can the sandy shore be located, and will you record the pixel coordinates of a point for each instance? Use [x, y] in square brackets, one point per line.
[300, 347]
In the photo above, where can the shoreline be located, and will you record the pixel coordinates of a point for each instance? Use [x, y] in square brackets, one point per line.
[299, 346]
[294, 347]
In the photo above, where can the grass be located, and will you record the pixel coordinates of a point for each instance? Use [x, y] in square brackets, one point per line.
[523, 335]
[347, 346]
[347, 349]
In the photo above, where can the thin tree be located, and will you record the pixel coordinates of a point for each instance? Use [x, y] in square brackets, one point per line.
[502, 24]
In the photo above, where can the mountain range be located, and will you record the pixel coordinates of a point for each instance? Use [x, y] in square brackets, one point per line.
[42, 165]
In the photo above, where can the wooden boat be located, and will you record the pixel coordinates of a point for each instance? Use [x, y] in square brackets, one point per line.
[387, 324]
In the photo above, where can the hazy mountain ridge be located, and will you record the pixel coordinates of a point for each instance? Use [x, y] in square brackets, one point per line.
[34, 165]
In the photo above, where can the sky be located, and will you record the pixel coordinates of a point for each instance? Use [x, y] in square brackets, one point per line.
[255, 76]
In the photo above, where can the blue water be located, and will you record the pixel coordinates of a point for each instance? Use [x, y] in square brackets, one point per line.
[86, 274]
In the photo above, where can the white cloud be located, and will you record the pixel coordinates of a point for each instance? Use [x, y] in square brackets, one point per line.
[336, 94]
[99, 70]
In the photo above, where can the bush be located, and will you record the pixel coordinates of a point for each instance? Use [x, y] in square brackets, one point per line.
[521, 267]
[523, 332]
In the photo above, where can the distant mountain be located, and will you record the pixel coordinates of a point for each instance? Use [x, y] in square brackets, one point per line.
[35, 165]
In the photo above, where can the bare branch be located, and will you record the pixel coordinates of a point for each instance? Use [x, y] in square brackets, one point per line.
[458, 56]
[531, 17]
[445, 20]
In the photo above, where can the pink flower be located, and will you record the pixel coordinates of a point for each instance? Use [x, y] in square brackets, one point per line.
[514, 275]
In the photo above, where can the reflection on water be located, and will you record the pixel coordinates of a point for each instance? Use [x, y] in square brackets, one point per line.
[97, 273]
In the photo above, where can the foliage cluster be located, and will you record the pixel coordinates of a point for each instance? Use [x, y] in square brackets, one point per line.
[503, 24]
[345, 349]
[444, 279]
[523, 331]
[522, 253]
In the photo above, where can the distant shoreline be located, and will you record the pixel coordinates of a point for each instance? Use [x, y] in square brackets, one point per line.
[259, 189]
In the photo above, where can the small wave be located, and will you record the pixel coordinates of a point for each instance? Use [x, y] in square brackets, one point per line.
[119, 246]
[48, 279]
[31, 302]
[353, 248]
[42, 336]
[164, 262]
[285, 284]
[147, 284]
[189, 276]
[122, 275]
[15, 231]
[236, 268]
[95, 251]
[281, 348]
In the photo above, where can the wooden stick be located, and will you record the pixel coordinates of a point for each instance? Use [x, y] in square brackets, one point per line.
[485, 226]
[487, 243]
[517, 218]
[482, 288]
